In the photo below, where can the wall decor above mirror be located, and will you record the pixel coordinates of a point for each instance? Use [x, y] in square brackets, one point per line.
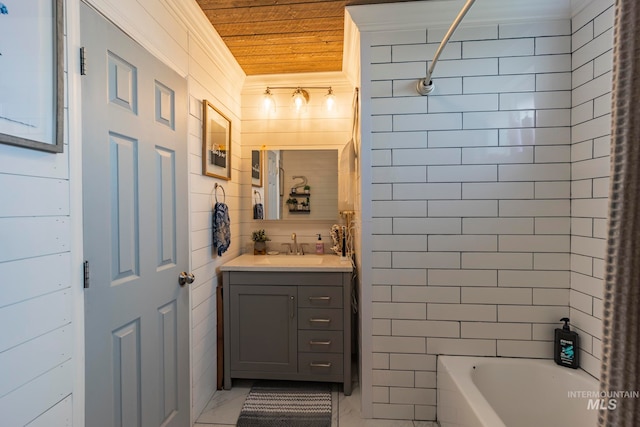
[298, 184]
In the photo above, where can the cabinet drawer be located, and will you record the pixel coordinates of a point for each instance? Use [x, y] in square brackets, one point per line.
[320, 341]
[320, 296]
[320, 318]
[320, 364]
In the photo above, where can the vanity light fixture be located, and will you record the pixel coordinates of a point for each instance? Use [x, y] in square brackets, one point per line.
[299, 98]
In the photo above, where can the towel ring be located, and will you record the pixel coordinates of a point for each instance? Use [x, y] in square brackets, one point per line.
[259, 195]
[215, 192]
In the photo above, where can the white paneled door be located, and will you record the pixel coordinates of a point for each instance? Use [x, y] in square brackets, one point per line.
[135, 232]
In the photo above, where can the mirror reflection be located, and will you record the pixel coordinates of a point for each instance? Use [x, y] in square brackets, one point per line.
[295, 184]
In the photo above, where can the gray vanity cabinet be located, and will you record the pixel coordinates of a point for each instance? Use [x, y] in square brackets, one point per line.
[287, 326]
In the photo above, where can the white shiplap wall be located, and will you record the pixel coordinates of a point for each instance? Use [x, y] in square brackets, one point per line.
[208, 81]
[471, 241]
[592, 43]
[41, 355]
[37, 360]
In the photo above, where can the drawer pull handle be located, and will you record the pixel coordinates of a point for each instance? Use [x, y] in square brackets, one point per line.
[320, 342]
[319, 298]
[322, 320]
[320, 365]
[292, 306]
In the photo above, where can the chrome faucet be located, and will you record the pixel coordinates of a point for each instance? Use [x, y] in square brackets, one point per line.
[295, 243]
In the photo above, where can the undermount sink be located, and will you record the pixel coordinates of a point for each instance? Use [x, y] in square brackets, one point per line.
[290, 260]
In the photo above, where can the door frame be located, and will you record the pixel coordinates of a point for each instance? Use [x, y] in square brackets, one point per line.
[73, 137]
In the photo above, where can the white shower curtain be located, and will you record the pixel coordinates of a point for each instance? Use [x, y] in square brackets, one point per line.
[621, 338]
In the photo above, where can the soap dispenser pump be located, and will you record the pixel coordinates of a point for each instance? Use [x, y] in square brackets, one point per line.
[566, 342]
[319, 245]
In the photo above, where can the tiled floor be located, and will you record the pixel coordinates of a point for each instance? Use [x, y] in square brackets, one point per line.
[225, 406]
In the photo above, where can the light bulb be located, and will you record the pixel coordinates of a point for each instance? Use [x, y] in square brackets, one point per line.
[330, 100]
[300, 98]
[268, 103]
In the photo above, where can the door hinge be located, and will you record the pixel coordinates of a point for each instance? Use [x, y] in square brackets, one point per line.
[83, 62]
[86, 274]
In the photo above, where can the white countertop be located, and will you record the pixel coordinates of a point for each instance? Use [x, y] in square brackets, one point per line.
[312, 263]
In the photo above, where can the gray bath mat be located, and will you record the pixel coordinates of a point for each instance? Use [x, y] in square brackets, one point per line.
[287, 404]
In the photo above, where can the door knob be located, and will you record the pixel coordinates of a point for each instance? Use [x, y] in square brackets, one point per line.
[185, 278]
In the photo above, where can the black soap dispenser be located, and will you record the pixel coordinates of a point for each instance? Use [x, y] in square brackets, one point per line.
[565, 346]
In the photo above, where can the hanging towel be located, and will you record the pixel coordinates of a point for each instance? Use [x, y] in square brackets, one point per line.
[221, 229]
[258, 211]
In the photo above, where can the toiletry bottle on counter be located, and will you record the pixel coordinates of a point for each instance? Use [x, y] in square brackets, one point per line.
[565, 346]
[319, 245]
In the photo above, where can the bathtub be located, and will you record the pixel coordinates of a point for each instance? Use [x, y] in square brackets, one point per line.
[505, 392]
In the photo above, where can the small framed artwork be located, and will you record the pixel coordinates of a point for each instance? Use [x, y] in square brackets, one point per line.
[256, 168]
[216, 142]
[32, 85]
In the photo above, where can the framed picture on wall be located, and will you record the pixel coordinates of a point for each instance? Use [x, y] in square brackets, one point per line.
[32, 85]
[256, 168]
[216, 142]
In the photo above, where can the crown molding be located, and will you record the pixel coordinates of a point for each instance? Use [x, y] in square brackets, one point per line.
[191, 18]
[441, 13]
[201, 30]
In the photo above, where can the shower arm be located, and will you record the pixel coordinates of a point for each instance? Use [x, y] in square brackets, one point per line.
[425, 85]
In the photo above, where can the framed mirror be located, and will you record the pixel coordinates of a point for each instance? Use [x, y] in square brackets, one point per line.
[298, 184]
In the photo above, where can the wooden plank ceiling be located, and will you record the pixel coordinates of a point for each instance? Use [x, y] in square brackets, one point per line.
[282, 36]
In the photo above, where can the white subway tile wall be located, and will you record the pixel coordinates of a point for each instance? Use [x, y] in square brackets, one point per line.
[590, 117]
[474, 252]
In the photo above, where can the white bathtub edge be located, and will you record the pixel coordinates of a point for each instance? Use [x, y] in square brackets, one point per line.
[473, 399]
[461, 402]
